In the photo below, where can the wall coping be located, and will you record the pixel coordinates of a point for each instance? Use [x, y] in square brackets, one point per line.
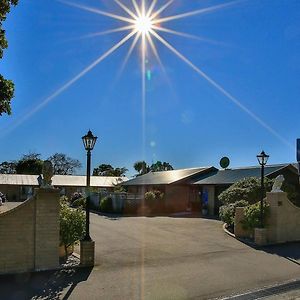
[13, 209]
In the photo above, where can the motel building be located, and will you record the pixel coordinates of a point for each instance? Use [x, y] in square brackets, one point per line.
[186, 189]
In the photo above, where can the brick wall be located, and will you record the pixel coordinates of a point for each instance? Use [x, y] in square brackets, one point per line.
[283, 222]
[29, 234]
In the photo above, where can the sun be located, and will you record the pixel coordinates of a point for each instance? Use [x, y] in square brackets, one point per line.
[143, 24]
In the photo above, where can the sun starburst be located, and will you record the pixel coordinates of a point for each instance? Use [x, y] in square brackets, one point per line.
[143, 22]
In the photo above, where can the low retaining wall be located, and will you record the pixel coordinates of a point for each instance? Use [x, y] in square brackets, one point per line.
[29, 234]
[283, 223]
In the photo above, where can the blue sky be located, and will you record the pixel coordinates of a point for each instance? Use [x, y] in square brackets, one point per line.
[255, 57]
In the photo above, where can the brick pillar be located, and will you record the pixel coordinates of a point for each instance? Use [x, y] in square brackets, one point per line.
[239, 231]
[260, 236]
[46, 229]
[87, 253]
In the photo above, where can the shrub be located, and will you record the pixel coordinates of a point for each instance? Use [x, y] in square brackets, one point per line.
[75, 196]
[154, 200]
[252, 215]
[227, 212]
[72, 225]
[106, 205]
[64, 199]
[248, 189]
[79, 203]
[150, 198]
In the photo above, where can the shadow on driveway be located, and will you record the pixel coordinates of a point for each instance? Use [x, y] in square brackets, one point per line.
[42, 285]
[290, 251]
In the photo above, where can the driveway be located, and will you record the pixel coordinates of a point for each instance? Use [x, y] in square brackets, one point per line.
[171, 258]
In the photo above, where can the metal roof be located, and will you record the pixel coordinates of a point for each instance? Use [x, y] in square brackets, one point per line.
[60, 180]
[166, 177]
[230, 176]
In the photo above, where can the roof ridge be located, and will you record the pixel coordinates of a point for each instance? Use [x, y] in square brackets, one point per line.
[258, 166]
[185, 169]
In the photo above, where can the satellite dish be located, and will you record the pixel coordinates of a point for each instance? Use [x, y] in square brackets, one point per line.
[225, 162]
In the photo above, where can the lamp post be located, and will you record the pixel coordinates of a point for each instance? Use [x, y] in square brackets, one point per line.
[262, 160]
[89, 141]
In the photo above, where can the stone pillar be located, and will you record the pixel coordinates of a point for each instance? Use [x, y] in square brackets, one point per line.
[87, 253]
[260, 236]
[239, 217]
[46, 234]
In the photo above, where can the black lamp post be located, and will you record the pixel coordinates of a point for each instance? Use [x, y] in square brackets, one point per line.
[89, 142]
[262, 160]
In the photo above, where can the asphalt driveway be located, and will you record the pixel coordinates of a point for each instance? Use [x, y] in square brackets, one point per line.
[167, 258]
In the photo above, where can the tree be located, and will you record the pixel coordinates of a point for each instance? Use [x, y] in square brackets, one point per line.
[8, 167]
[141, 167]
[109, 170]
[30, 164]
[6, 86]
[64, 165]
[159, 166]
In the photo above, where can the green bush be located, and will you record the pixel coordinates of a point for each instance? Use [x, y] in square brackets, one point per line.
[72, 225]
[154, 201]
[252, 215]
[150, 198]
[227, 212]
[64, 199]
[79, 203]
[248, 189]
[106, 205]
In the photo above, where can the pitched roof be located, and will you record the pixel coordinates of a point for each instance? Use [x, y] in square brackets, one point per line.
[230, 176]
[166, 177]
[60, 180]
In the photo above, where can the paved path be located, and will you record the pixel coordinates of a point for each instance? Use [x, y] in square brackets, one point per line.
[167, 258]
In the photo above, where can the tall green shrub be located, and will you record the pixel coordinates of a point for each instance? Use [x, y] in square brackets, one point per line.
[252, 215]
[72, 225]
[248, 189]
[227, 212]
[106, 205]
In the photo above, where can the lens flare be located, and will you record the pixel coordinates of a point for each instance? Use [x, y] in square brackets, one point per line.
[143, 24]
[144, 21]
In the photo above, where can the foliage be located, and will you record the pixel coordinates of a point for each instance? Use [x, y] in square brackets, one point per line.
[30, 164]
[292, 193]
[64, 199]
[108, 170]
[7, 89]
[75, 196]
[227, 212]
[252, 215]
[248, 189]
[150, 197]
[72, 225]
[64, 165]
[161, 166]
[119, 189]
[8, 167]
[153, 200]
[6, 86]
[80, 202]
[106, 205]
[142, 168]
